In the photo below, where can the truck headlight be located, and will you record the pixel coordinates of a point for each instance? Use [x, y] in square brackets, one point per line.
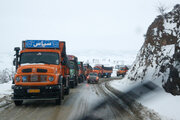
[24, 78]
[51, 79]
[18, 79]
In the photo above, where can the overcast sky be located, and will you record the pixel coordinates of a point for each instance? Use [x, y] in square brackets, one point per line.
[83, 24]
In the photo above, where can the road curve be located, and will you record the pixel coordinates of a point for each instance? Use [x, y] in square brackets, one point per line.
[76, 105]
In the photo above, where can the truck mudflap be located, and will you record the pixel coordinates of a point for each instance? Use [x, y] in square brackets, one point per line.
[49, 92]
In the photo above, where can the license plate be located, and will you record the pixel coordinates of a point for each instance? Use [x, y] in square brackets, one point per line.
[33, 91]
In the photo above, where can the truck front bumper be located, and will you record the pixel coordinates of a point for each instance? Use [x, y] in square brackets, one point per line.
[36, 92]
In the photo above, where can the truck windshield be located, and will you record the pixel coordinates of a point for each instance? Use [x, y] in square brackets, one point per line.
[93, 74]
[96, 68]
[39, 57]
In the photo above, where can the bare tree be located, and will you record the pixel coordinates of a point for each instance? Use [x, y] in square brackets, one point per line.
[162, 9]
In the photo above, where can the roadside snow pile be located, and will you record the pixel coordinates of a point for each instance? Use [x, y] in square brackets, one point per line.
[5, 94]
[5, 89]
[158, 102]
[159, 57]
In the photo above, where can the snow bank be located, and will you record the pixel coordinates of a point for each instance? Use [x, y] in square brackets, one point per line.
[163, 103]
[5, 89]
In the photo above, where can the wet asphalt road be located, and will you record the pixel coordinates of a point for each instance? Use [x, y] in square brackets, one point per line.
[77, 104]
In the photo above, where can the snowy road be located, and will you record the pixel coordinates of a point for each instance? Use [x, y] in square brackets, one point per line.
[78, 104]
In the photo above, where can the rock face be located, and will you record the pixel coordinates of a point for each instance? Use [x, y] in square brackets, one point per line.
[159, 57]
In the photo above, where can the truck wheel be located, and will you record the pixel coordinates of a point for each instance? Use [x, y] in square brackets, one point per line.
[76, 84]
[58, 101]
[18, 102]
[60, 97]
[72, 84]
[62, 92]
[67, 91]
[123, 75]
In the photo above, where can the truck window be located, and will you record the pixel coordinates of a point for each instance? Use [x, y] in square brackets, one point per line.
[93, 74]
[40, 57]
[72, 65]
[96, 69]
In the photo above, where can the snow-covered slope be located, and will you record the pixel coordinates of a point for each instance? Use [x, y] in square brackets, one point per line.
[159, 57]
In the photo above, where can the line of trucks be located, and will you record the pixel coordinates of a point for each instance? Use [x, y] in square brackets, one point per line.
[44, 71]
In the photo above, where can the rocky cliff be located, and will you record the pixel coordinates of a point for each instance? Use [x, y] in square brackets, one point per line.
[159, 57]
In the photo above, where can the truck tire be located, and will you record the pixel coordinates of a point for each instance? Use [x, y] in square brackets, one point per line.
[59, 100]
[61, 86]
[62, 92]
[76, 84]
[73, 85]
[18, 102]
[67, 91]
[123, 75]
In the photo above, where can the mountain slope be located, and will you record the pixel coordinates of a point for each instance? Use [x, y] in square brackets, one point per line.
[159, 57]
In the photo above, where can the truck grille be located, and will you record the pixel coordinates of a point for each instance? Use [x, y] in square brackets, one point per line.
[36, 78]
[42, 70]
[26, 70]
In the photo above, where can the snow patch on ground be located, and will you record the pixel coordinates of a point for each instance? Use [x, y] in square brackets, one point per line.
[156, 101]
[5, 89]
[5, 95]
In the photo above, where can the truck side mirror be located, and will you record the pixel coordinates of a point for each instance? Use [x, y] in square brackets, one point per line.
[17, 49]
[15, 62]
[63, 55]
[63, 62]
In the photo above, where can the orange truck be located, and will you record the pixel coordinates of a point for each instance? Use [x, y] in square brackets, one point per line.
[88, 69]
[107, 71]
[42, 71]
[103, 71]
[122, 71]
[74, 70]
[81, 76]
[99, 70]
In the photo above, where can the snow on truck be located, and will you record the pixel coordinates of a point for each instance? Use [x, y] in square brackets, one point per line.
[42, 71]
[74, 70]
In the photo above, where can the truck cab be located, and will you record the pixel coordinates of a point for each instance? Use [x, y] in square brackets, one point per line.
[42, 71]
[88, 69]
[122, 71]
[98, 70]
